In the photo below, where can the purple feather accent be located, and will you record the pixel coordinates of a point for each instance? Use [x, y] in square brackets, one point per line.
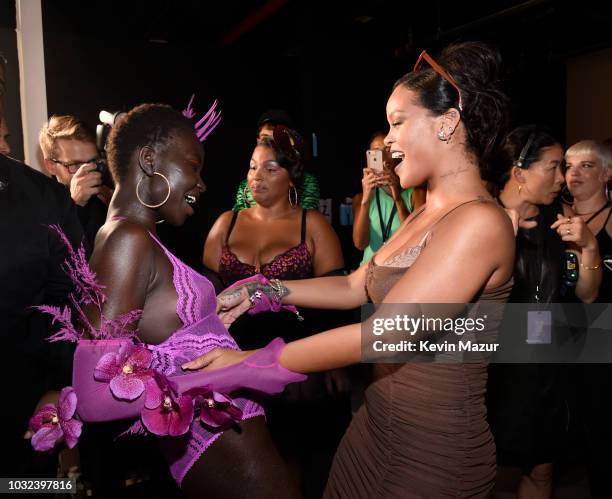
[204, 133]
[189, 112]
[137, 428]
[207, 123]
[209, 114]
[117, 328]
[87, 290]
[64, 317]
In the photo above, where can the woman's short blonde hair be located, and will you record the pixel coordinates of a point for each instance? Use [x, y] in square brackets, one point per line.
[597, 149]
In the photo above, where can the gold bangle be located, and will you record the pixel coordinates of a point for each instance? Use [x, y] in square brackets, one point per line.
[594, 267]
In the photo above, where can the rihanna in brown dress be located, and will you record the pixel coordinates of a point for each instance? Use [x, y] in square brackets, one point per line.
[422, 431]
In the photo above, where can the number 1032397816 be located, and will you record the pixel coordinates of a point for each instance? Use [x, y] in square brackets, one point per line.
[40, 485]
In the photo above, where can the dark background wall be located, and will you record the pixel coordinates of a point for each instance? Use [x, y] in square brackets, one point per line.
[8, 48]
[330, 64]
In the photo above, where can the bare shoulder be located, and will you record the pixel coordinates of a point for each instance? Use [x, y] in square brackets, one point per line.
[224, 220]
[317, 225]
[221, 225]
[123, 238]
[482, 222]
[316, 219]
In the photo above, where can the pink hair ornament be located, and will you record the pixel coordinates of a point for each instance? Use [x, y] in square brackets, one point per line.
[207, 123]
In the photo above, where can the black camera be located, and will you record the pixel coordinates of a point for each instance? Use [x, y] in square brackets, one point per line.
[102, 168]
[107, 120]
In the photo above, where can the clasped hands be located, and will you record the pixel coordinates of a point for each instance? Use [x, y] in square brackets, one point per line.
[231, 304]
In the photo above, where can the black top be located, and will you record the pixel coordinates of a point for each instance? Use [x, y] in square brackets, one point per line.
[539, 260]
[92, 216]
[604, 240]
[30, 263]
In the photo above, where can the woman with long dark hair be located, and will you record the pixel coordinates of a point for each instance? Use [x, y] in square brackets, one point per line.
[422, 430]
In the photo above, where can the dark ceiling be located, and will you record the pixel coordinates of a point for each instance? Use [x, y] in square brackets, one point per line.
[284, 26]
[330, 64]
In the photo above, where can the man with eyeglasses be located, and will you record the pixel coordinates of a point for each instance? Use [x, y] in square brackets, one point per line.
[70, 155]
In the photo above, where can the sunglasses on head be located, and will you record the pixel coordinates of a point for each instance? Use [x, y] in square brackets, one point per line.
[438, 69]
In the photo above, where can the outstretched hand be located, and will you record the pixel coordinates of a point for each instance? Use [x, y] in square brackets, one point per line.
[216, 359]
[574, 229]
[231, 304]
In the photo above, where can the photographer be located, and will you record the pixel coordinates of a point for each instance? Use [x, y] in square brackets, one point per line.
[70, 154]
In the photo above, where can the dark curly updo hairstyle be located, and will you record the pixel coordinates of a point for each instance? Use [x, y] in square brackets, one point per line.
[146, 124]
[475, 67]
[290, 151]
[522, 147]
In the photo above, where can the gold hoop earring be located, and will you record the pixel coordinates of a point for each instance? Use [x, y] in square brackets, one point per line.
[293, 203]
[158, 204]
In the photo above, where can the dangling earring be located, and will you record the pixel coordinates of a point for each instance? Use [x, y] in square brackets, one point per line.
[293, 202]
[519, 189]
[158, 204]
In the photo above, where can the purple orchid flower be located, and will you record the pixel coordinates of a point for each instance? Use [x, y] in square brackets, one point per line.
[166, 412]
[126, 370]
[53, 422]
[217, 410]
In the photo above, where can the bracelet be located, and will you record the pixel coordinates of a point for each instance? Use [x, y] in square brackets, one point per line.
[594, 267]
[277, 289]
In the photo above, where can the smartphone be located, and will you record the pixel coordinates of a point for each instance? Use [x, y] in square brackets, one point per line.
[375, 160]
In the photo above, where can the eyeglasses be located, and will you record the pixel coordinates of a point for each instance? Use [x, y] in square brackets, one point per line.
[438, 69]
[73, 166]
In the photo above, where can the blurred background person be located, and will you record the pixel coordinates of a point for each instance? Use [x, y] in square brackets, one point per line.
[587, 172]
[309, 195]
[70, 155]
[5, 147]
[31, 274]
[381, 206]
[526, 402]
[279, 239]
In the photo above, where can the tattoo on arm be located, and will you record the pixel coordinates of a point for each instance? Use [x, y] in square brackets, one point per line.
[232, 294]
[276, 290]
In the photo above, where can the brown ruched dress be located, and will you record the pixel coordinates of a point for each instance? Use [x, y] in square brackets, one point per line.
[422, 431]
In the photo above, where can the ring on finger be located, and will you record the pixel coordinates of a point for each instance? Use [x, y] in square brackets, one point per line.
[569, 220]
[568, 231]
